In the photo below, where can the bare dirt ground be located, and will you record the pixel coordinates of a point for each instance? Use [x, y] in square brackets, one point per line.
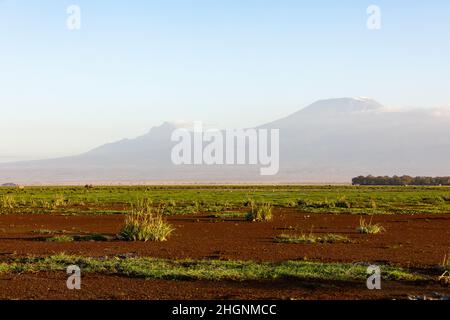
[52, 285]
[419, 241]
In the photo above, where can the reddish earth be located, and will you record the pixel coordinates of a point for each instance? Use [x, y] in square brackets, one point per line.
[52, 285]
[419, 241]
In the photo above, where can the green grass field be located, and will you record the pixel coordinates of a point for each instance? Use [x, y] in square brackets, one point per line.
[152, 268]
[296, 251]
[213, 199]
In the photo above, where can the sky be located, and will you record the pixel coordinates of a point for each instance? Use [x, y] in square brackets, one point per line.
[229, 63]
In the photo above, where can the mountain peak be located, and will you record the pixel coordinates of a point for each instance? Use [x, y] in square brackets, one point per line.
[171, 125]
[342, 106]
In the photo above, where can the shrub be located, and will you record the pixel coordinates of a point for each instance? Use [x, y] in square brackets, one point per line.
[145, 223]
[260, 212]
[369, 228]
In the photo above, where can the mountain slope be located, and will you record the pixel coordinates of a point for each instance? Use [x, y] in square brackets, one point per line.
[329, 141]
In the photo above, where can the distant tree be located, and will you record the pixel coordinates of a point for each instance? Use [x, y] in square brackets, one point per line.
[400, 181]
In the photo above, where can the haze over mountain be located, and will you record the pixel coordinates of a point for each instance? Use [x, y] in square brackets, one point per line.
[329, 141]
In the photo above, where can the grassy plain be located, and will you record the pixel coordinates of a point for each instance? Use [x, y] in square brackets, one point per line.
[227, 233]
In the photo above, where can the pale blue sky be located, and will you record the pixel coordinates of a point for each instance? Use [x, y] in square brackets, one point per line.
[135, 64]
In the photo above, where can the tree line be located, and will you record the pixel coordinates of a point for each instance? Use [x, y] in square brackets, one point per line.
[400, 181]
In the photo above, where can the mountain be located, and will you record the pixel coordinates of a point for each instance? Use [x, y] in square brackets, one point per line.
[329, 141]
[332, 107]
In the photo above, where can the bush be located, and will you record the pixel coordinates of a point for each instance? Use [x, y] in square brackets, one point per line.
[260, 212]
[145, 223]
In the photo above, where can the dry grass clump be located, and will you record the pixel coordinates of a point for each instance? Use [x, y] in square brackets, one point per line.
[145, 223]
[7, 204]
[260, 212]
[369, 227]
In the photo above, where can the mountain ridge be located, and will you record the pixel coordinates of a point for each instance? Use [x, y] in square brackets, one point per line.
[329, 140]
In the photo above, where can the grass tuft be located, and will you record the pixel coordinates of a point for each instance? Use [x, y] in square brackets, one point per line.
[343, 203]
[7, 204]
[311, 238]
[369, 227]
[71, 238]
[260, 212]
[62, 238]
[145, 223]
[48, 232]
[227, 215]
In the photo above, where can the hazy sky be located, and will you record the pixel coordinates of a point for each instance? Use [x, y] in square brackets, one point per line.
[136, 64]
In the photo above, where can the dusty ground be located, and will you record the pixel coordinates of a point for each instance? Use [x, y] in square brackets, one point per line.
[419, 241]
[52, 285]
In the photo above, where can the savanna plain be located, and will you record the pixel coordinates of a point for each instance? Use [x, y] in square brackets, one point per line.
[225, 242]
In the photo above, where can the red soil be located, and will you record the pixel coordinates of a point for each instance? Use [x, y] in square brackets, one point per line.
[419, 241]
[52, 285]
